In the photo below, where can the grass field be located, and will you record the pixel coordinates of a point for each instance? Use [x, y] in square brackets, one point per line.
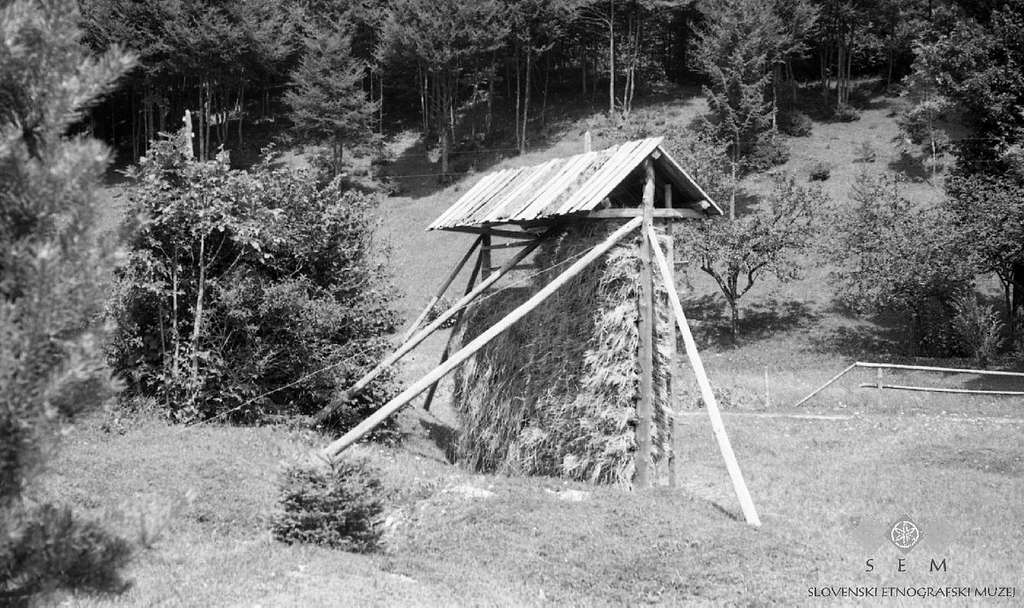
[851, 460]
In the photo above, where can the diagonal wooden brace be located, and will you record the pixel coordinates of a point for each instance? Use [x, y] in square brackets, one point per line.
[479, 342]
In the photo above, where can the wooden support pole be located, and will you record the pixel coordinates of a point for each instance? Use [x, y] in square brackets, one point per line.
[440, 292]
[645, 403]
[431, 327]
[947, 370]
[485, 251]
[479, 342]
[928, 389]
[740, 486]
[826, 385]
[455, 330]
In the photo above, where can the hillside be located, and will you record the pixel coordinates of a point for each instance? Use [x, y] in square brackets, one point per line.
[201, 497]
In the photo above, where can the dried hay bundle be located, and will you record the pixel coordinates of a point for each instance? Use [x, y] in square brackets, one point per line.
[556, 394]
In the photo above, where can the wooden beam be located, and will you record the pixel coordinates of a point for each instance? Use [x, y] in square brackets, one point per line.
[389, 408]
[826, 385]
[440, 292]
[947, 370]
[425, 332]
[455, 330]
[645, 353]
[485, 255]
[628, 212]
[959, 391]
[708, 396]
[509, 245]
[509, 234]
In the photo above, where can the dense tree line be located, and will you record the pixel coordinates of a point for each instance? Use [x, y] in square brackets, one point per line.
[232, 62]
[485, 74]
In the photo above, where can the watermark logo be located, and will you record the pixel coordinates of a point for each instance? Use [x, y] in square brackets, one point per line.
[905, 534]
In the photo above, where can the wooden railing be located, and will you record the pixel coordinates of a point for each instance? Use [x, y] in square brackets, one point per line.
[920, 368]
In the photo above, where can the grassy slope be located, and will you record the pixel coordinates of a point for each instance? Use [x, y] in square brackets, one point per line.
[211, 489]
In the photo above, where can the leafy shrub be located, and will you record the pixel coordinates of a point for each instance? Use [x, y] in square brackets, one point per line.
[977, 328]
[45, 547]
[820, 171]
[845, 113]
[337, 505]
[242, 284]
[891, 254]
[767, 152]
[795, 123]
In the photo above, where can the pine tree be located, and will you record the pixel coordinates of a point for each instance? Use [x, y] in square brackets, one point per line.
[736, 48]
[328, 103]
[51, 282]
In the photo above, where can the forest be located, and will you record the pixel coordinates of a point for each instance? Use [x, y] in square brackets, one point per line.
[160, 263]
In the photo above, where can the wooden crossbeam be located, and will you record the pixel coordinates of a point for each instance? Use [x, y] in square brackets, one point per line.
[628, 212]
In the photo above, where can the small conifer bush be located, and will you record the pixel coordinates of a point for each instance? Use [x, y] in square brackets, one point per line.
[337, 506]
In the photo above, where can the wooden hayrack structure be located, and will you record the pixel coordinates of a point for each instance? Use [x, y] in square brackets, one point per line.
[636, 184]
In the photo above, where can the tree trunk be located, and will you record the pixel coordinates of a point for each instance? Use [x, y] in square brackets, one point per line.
[241, 112]
[519, 87]
[611, 57]
[544, 97]
[197, 321]
[489, 119]
[1017, 303]
[526, 102]
[734, 320]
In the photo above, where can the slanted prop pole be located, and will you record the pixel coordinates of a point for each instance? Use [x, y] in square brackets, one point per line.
[455, 330]
[740, 486]
[413, 342]
[440, 292]
[479, 342]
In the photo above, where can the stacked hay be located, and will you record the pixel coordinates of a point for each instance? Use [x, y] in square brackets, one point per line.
[557, 393]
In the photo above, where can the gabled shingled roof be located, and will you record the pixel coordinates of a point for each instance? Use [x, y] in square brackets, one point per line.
[567, 186]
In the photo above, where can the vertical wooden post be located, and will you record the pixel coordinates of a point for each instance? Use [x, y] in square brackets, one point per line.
[673, 382]
[878, 383]
[645, 404]
[485, 255]
[587, 142]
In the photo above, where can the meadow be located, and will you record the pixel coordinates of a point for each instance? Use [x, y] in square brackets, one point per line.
[199, 498]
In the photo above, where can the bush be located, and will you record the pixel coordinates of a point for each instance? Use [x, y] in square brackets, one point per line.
[795, 123]
[893, 255]
[238, 284]
[820, 171]
[338, 506]
[977, 328]
[845, 113]
[45, 547]
[769, 151]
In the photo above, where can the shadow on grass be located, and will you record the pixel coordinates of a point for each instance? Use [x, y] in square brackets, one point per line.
[445, 437]
[757, 321]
